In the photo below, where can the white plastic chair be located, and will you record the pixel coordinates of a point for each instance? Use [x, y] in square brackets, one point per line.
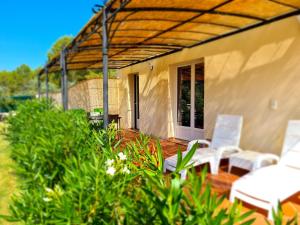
[225, 141]
[268, 186]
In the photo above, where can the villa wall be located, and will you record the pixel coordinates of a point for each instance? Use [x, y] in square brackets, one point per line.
[88, 95]
[244, 74]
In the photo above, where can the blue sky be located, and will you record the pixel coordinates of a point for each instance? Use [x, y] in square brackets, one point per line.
[28, 28]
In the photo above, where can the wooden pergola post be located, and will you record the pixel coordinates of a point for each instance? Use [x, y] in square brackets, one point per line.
[47, 83]
[64, 79]
[105, 66]
[39, 86]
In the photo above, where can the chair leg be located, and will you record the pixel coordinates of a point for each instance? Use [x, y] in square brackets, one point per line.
[270, 215]
[232, 196]
[229, 168]
[214, 168]
[183, 174]
[273, 206]
[165, 167]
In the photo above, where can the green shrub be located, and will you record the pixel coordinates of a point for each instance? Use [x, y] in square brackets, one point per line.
[278, 218]
[7, 104]
[72, 175]
[174, 201]
[43, 137]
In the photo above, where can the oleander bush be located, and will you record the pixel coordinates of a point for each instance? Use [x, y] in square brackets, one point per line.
[71, 174]
[7, 104]
[43, 138]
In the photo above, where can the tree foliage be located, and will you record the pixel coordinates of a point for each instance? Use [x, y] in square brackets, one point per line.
[73, 76]
[23, 80]
[20, 81]
[59, 45]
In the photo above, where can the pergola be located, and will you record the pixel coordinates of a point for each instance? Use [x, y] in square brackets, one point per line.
[127, 32]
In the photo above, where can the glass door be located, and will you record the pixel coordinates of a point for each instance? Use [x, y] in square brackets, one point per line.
[199, 96]
[184, 77]
[190, 101]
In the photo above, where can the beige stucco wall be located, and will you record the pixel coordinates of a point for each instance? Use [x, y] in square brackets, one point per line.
[88, 95]
[243, 74]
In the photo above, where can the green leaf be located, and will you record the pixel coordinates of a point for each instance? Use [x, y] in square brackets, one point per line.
[160, 156]
[186, 161]
[179, 159]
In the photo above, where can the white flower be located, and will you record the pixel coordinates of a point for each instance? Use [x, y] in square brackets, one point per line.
[109, 162]
[122, 156]
[111, 171]
[47, 199]
[58, 190]
[49, 190]
[126, 170]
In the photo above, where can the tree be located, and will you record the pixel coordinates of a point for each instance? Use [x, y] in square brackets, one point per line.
[59, 45]
[18, 81]
[73, 76]
[24, 71]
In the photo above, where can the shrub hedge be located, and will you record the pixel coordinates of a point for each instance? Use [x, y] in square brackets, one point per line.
[71, 174]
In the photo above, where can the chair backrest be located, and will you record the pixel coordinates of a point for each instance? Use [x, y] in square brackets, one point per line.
[227, 131]
[95, 114]
[98, 110]
[290, 155]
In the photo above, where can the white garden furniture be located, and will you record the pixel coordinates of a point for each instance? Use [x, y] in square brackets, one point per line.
[248, 160]
[268, 186]
[225, 141]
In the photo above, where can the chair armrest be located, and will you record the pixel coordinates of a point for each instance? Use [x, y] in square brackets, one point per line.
[262, 158]
[203, 142]
[231, 149]
[200, 141]
[219, 155]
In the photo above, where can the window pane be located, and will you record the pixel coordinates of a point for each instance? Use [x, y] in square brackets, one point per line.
[184, 96]
[199, 96]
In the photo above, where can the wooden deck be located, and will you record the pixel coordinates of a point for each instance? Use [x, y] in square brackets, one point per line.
[222, 182]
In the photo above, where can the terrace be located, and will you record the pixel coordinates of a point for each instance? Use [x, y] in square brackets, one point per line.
[135, 33]
[222, 182]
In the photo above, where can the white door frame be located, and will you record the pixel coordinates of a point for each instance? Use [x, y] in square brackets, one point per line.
[181, 132]
[136, 103]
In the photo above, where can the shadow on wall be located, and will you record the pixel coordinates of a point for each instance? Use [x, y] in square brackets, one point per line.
[79, 97]
[247, 82]
[243, 75]
[88, 95]
[155, 113]
[155, 100]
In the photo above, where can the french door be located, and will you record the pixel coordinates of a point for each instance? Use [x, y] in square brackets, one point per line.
[190, 101]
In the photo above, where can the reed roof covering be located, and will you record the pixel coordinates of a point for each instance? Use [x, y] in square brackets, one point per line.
[141, 30]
